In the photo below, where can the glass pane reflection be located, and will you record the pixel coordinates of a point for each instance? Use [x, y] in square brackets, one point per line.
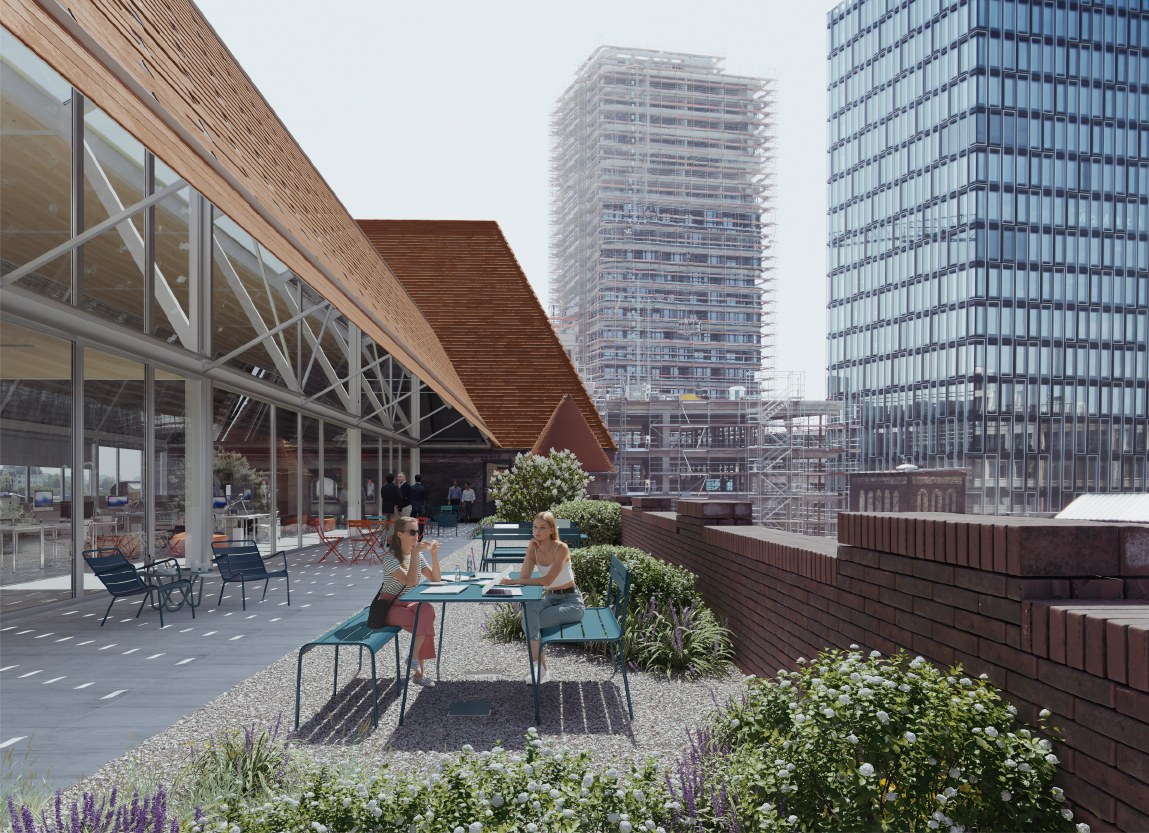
[35, 167]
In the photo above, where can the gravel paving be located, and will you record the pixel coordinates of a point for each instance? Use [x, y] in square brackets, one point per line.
[583, 706]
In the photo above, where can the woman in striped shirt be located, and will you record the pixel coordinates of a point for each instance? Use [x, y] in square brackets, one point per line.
[402, 565]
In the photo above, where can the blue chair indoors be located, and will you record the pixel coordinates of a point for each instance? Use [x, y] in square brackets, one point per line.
[122, 580]
[241, 561]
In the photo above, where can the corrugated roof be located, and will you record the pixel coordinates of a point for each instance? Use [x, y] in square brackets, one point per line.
[567, 430]
[159, 69]
[1110, 507]
[468, 283]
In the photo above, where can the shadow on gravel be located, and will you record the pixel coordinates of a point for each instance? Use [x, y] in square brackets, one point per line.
[347, 717]
[584, 709]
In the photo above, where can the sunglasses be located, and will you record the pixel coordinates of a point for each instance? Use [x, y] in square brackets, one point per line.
[409, 532]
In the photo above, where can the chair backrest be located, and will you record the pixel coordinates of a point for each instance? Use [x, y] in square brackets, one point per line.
[449, 509]
[317, 524]
[114, 570]
[233, 560]
[448, 519]
[618, 593]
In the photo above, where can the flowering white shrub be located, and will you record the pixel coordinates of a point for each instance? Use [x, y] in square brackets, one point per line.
[535, 484]
[543, 789]
[853, 743]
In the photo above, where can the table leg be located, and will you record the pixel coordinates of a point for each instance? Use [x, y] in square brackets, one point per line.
[442, 627]
[41, 548]
[531, 660]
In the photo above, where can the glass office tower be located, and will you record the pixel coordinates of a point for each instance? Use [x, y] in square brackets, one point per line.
[988, 259]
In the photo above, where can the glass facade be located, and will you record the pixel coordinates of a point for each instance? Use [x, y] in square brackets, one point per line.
[149, 343]
[989, 258]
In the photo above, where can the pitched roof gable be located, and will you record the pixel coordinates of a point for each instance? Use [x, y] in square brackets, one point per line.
[567, 430]
[466, 281]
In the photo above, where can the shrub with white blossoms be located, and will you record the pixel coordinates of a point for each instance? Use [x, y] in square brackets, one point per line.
[857, 743]
[542, 789]
[536, 483]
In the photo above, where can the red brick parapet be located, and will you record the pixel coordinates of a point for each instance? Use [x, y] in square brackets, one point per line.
[1049, 610]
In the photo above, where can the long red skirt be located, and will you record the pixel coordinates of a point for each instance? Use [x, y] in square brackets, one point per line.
[402, 615]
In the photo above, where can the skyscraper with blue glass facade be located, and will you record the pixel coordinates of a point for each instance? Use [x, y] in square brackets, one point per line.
[989, 257]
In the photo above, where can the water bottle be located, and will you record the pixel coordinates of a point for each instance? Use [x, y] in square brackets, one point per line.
[458, 574]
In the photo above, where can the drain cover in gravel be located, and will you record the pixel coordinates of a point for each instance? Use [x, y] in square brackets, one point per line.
[470, 708]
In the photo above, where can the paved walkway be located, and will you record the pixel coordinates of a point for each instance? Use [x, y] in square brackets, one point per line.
[84, 694]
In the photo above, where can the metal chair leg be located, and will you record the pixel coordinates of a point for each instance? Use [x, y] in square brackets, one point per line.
[625, 682]
[287, 583]
[109, 610]
[265, 583]
[410, 656]
[374, 690]
[442, 627]
[243, 592]
[335, 680]
[222, 587]
[298, 681]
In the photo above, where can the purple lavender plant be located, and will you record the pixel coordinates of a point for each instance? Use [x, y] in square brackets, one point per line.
[149, 815]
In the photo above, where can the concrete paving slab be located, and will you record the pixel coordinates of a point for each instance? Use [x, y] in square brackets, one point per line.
[84, 693]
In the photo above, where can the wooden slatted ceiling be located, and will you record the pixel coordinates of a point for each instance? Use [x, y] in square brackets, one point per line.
[199, 112]
[469, 285]
[567, 430]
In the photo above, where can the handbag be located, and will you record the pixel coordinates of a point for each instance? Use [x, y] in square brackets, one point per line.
[377, 616]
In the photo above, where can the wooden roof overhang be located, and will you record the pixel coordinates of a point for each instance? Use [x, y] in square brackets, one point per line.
[470, 286]
[159, 69]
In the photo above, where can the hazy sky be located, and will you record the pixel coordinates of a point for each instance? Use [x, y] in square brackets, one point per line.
[441, 111]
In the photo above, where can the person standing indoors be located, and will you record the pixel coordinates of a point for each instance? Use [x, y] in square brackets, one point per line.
[563, 604]
[418, 496]
[468, 502]
[404, 495]
[389, 498]
[455, 496]
[403, 564]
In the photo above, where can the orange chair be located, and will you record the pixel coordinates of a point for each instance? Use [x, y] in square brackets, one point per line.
[366, 543]
[330, 541]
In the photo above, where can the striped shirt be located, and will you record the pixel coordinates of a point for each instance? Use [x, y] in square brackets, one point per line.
[391, 585]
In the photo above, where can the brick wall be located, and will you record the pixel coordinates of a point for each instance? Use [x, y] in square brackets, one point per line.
[1055, 613]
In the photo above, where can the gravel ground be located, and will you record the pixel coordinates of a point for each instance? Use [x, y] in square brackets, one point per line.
[583, 706]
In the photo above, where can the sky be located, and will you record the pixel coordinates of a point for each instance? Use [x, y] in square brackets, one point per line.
[440, 111]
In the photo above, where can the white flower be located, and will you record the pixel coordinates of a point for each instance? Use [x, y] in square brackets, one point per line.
[941, 799]
[799, 718]
[1024, 768]
[521, 798]
[828, 712]
[624, 827]
[903, 688]
[1067, 814]
[639, 796]
[610, 774]
[852, 738]
[1006, 795]
[865, 692]
[794, 819]
[949, 792]
[1044, 745]
[990, 731]
[1010, 763]
[911, 737]
[613, 818]
[1051, 759]
[1083, 828]
[932, 825]
[983, 677]
[532, 828]
[346, 803]
[866, 770]
[1046, 713]
[875, 654]
[844, 699]
[853, 647]
[883, 718]
[735, 723]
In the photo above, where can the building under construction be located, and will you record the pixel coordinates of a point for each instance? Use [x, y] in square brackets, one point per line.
[788, 456]
[661, 191]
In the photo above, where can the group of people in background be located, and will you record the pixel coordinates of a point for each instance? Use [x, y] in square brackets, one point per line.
[398, 498]
[463, 500]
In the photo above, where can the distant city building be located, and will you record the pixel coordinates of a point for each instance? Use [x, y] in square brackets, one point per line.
[659, 223]
[988, 177]
[917, 490]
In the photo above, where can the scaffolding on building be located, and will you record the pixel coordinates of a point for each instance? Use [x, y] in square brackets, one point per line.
[788, 456]
[661, 243]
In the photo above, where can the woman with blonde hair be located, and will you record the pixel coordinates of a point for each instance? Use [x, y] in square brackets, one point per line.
[402, 565]
[563, 604]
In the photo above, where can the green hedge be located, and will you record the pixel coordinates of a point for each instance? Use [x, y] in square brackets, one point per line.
[649, 577]
[599, 520]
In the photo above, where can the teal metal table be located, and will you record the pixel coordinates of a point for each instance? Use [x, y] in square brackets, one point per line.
[423, 592]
